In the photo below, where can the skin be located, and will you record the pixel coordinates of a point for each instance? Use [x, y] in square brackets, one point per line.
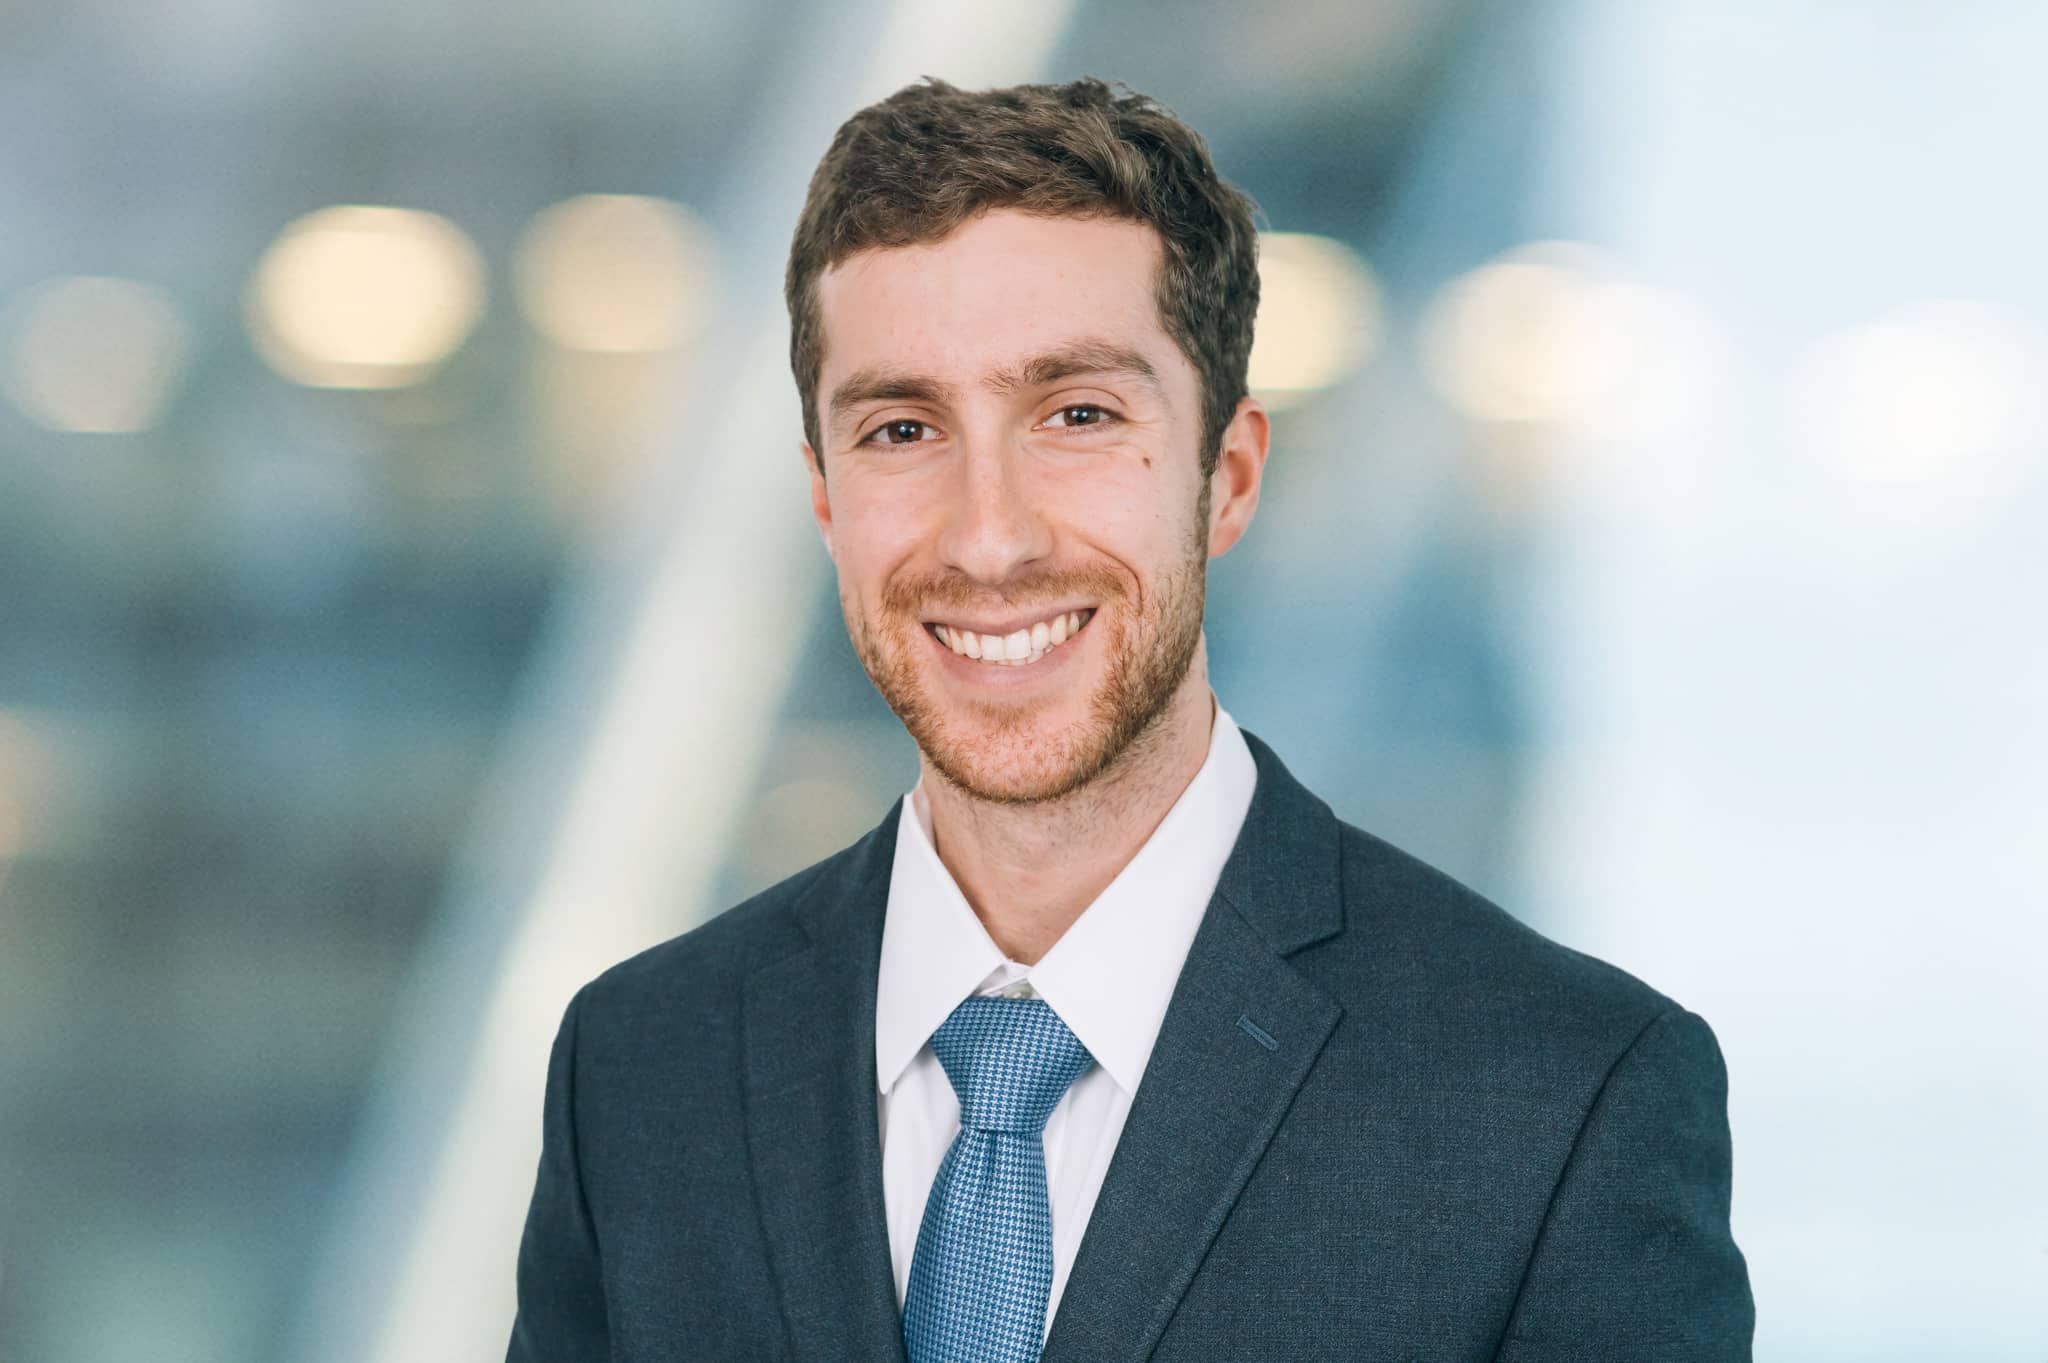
[961, 485]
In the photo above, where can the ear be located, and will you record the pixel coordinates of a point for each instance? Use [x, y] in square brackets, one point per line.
[821, 505]
[1234, 487]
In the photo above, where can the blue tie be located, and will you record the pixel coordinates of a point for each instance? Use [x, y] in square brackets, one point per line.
[983, 1265]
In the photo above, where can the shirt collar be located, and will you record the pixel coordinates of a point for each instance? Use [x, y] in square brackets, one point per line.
[1111, 976]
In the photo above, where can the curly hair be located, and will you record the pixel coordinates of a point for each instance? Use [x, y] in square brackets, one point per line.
[911, 168]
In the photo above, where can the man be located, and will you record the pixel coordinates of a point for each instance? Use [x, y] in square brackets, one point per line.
[1111, 1039]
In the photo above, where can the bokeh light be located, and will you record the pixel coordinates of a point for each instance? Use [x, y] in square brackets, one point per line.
[614, 272]
[1319, 316]
[1934, 393]
[356, 296]
[95, 354]
[1520, 339]
[1551, 335]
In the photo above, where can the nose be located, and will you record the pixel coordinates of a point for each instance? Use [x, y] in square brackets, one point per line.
[993, 527]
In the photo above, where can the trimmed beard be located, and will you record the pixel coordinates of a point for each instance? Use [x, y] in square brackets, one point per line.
[1149, 651]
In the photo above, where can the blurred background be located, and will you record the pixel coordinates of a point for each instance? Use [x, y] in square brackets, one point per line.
[409, 606]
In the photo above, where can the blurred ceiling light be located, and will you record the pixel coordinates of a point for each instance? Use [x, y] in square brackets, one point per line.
[365, 297]
[614, 272]
[1660, 364]
[1319, 316]
[1520, 338]
[1547, 335]
[1930, 392]
[95, 354]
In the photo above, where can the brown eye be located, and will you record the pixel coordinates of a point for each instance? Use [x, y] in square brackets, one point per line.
[1080, 414]
[903, 432]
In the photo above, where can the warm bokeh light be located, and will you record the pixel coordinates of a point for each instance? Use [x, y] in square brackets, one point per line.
[365, 297]
[614, 272]
[1319, 316]
[1932, 393]
[1521, 339]
[94, 354]
[1662, 364]
[1549, 335]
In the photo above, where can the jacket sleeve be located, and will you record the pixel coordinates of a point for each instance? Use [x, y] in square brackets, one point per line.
[1635, 1262]
[561, 1314]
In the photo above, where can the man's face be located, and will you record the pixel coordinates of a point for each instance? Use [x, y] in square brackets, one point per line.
[1011, 451]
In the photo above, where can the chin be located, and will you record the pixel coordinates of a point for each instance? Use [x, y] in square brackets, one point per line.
[1012, 763]
[1039, 755]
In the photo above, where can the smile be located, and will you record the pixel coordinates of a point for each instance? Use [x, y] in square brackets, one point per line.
[1018, 647]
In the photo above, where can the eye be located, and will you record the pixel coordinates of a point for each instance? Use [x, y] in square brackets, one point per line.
[1081, 414]
[902, 431]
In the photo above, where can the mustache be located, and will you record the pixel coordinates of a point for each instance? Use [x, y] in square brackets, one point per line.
[936, 593]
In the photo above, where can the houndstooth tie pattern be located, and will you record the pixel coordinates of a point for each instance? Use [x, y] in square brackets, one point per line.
[982, 1270]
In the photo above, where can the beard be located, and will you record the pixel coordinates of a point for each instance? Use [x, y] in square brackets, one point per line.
[996, 750]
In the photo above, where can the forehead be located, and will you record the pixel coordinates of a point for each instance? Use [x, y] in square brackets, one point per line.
[1002, 285]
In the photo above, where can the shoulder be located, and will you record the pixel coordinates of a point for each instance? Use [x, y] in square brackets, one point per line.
[1416, 956]
[1422, 947]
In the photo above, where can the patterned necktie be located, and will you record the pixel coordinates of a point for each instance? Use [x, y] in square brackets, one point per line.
[982, 1269]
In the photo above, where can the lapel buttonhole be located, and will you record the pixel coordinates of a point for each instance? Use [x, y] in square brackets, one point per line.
[1256, 1032]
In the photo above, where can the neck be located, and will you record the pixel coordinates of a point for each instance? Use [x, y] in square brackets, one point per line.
[1030, 870]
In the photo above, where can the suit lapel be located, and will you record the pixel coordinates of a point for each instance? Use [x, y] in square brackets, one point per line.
[812, 1120]
[1240, 1035]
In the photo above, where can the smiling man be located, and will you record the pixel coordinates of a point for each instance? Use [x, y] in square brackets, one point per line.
[1111, 1041]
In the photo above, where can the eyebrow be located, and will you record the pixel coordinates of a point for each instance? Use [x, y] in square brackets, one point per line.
[1073, 360]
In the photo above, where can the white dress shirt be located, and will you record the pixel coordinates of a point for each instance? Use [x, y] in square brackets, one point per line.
[1109, 978]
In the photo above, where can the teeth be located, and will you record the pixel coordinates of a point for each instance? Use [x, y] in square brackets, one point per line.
[1015, 649]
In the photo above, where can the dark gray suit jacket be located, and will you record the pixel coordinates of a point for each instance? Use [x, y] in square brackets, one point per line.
[1382, 1121]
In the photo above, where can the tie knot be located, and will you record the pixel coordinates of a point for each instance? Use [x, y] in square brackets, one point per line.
[1009, 1060]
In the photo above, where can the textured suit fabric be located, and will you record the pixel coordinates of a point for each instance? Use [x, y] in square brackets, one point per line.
[1382, 1121]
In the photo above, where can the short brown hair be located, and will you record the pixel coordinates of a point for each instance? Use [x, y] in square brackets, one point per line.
[911, 168]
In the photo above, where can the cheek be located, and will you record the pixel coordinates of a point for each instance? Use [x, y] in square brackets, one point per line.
[878, 543]
[1138, 517]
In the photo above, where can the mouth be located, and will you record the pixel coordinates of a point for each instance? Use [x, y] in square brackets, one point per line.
[1018, 647]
